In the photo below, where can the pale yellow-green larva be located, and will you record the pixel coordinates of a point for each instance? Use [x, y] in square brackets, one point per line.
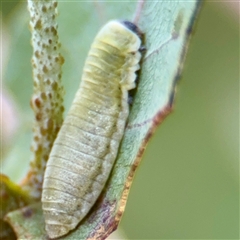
[87, 144]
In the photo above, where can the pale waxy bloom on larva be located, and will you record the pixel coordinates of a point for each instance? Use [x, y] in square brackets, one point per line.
[87, 144]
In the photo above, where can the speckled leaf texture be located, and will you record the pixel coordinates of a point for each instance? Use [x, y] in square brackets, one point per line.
[167, 27]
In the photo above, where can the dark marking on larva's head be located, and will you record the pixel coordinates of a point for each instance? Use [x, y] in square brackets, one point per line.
[131, 26]
[142, 49]
[130, 98]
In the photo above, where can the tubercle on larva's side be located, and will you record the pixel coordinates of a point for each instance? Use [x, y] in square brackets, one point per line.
[93, 142]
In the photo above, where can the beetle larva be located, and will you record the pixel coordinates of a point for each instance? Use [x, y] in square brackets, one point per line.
[87, 143]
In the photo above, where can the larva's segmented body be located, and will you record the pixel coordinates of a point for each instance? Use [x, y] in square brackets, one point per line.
[87, 144]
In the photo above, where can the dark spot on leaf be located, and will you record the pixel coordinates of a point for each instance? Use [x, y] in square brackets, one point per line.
[54, 86]
[43, 131]
[37, 102]
[38, 116]
[48, 82]
[178, 24]
[39, 77]
[43, 96]
[37, 55]
[36, 138]
[50, 124]
[55, 4]
[44, 9]
[54, 31]
[27, 212]
[38, 24]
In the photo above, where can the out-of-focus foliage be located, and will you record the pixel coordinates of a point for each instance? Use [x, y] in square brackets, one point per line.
[187, 186]
[11, 197]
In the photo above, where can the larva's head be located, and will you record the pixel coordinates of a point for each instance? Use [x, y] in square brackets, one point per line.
[133, 27]
[123, 35]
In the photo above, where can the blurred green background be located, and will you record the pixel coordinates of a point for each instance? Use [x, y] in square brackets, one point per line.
[187, 186]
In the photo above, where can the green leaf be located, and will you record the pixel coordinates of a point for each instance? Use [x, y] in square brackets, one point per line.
[11, 197]
[28, 222]
[166, 26]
